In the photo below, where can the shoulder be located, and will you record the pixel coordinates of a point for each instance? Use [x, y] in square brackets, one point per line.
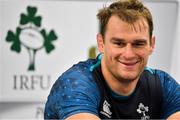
[166, 79]
[78, 75]
[170, 90]
[75, 77]
[76, 88]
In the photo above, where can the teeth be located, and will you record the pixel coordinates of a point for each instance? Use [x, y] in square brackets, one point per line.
[128, 63]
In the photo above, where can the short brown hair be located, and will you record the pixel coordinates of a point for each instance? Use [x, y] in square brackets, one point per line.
[128, 11]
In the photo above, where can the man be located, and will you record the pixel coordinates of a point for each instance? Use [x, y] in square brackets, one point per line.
[117, 84]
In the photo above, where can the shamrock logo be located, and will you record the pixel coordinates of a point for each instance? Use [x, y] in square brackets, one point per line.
[30, 17]
[31, 36]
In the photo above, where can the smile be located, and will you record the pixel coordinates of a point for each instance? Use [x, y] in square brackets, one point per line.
[129, 63]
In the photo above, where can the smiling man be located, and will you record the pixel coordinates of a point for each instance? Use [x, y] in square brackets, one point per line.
[117, 84]
[125, 49]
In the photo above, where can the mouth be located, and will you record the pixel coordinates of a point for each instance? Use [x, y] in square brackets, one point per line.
[129, 64]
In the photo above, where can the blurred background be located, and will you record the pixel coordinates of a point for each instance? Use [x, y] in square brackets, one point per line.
[39, 39]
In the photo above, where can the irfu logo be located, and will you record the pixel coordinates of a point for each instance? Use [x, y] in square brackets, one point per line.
[30, 35]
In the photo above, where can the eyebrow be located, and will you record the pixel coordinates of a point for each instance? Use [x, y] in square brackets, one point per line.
[140, 40]
[117, 39]
[122, 40]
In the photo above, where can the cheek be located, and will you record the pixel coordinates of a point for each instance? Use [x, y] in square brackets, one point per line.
[144, 57]
[107, 50]
[110, 49]
[144, 53]
[111, 53]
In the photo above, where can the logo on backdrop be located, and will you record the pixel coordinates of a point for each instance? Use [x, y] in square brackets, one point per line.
[30, 35]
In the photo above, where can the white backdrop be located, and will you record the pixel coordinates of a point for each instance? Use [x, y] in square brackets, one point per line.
[76, 25]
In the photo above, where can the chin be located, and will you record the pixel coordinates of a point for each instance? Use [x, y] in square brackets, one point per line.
[128, 78]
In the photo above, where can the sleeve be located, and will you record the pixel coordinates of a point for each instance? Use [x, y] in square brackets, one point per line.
[171, 95]
[71, 94]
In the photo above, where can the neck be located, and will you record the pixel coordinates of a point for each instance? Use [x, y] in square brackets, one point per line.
[122, 88]
[119, 85]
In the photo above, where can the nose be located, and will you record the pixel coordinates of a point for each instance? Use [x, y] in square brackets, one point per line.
[129, 52]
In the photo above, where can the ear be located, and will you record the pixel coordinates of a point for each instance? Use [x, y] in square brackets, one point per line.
[100, 43]
[152, 45]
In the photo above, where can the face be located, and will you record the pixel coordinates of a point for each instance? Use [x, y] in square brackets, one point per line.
[125, 49]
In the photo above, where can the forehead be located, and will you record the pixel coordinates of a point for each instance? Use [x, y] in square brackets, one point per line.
[115, 24]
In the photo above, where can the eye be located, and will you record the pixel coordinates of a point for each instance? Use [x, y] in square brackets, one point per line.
[139, 43]
[119, 43]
